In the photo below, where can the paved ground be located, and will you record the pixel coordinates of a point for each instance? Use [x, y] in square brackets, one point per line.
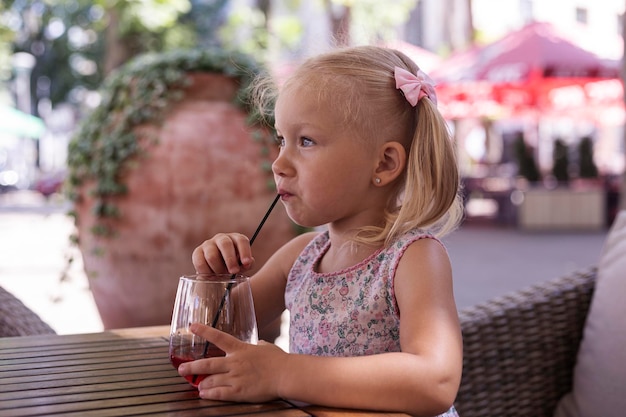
[34, 248]
[487, 261]
[490, 261]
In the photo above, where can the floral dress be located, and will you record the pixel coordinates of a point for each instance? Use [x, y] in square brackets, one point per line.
[352, 312]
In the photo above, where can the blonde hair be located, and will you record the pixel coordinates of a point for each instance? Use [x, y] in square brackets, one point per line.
[359, 83]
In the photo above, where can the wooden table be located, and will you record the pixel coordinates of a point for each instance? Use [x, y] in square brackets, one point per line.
[115, 373]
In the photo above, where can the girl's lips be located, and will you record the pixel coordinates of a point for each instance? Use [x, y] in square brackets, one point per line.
[284, 195]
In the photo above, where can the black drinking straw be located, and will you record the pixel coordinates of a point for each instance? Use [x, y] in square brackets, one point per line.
[230, 284]
[267, 214]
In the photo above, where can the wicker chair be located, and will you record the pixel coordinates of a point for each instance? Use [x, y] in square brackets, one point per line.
[520, 349]
[18, 320]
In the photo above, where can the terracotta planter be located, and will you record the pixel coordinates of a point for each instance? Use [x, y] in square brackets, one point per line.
[204, 176]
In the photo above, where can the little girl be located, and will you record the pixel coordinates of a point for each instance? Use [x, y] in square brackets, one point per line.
[363, 151]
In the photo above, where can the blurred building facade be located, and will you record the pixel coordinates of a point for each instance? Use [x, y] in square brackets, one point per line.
[485, 150]
[441, 27]
[595, 25]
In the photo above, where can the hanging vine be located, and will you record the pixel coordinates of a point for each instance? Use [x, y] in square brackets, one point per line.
[140, 93]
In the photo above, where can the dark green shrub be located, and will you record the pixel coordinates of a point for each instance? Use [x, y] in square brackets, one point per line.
[560, 159]
[586, 165]
[527, 167]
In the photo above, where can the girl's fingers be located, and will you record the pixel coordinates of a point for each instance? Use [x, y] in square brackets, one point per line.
[215, 393]
[208, 366]
[242, 375]
[224, 253]
[228, 253]
[199, 261]
[222, 340]
[242, 243]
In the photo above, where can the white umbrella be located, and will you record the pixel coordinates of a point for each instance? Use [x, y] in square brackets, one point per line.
[16, 122]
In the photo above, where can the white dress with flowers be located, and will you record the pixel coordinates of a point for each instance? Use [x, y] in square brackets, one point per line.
[352, 312]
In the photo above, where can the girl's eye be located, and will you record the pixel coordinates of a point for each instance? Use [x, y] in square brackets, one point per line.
[304, 141]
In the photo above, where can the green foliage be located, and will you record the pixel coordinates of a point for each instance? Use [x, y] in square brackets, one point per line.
[560, 159]
[146, 16]
[138, 93]
[150, 25]
[249, 29]
[586, 164]
[527, 167]
[67, 37]
[7, 36]
[64, 40]
[377, 20]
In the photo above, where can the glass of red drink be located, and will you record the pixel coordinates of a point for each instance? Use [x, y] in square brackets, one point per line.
[223, 301]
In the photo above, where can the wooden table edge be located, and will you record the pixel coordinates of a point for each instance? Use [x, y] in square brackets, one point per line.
[141, 332]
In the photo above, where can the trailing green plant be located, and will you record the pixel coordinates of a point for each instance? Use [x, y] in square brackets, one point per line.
[586, 165]
[560, 161]
[140, 92]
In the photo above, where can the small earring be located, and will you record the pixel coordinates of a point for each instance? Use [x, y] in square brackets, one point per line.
[377, 180]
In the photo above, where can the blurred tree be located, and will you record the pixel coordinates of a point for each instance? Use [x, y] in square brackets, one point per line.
[471, 31]
[366, 21]
[622, 200]
[6, 38]
[206, 17]
[339, 18]
[134, 27]
[77, 43]
[454, 39]
[269, 30]
[264, 33]
[61, 37]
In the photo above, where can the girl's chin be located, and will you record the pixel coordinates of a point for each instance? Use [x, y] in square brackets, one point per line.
[302, 222]
[306, 218]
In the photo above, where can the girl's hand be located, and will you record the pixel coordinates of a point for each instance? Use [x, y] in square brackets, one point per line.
[223, 253]
[247, 373]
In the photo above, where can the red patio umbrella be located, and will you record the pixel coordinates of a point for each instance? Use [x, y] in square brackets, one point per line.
[516, 73]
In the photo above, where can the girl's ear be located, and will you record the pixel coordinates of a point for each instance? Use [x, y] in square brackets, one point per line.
[390, 163]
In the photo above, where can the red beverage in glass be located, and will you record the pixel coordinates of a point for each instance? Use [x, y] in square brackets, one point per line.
[223, 302]
[184, 354]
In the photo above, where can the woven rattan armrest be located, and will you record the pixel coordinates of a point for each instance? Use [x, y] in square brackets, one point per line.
[520, 349]
[18, 320]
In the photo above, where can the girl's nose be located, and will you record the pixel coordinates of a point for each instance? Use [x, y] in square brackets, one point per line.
[281, 166]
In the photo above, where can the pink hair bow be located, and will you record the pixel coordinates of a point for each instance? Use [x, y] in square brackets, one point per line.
[414, 87]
